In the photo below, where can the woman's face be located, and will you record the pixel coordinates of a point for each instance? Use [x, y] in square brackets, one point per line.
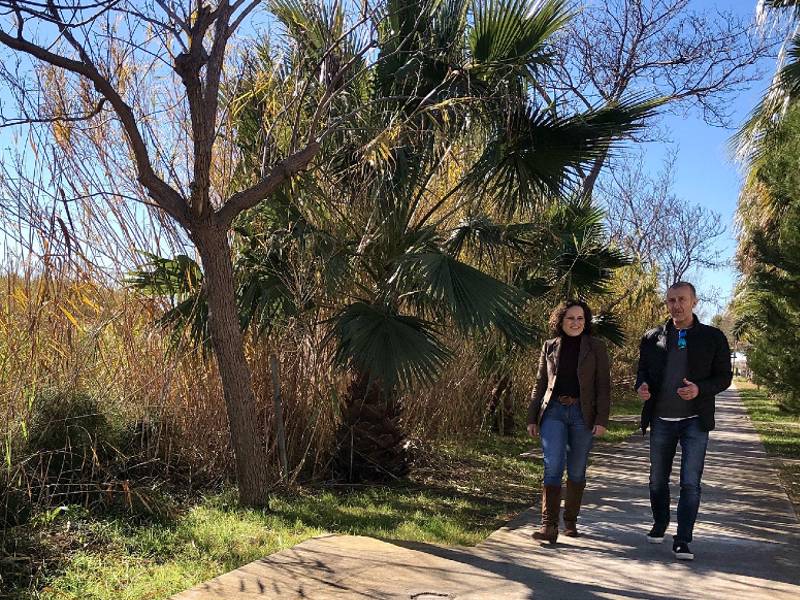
[574, 321]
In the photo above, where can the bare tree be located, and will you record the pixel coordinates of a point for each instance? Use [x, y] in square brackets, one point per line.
[150, 74]
[665, 232]
[692, 59]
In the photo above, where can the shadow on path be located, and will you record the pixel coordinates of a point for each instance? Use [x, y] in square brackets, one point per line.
[747, 543]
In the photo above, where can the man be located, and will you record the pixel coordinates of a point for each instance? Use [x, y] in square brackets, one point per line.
[683, 365]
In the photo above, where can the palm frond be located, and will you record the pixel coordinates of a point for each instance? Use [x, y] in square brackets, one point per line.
[783, 93]
[475, 300]
[176, 278]
[609, 326]
[513, 33]
[481, 235]
[533, 154]
[179, 279]
[765, 7]
[312, 25]
[388, 347]
[187, 324]
[585, 261]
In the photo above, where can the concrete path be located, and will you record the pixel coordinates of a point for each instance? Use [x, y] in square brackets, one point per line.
[747, 543]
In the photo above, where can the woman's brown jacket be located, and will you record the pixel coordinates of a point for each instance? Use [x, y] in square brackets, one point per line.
[594, 379]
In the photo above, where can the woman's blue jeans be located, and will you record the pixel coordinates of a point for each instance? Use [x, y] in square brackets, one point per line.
[565, 441]
[664, 439]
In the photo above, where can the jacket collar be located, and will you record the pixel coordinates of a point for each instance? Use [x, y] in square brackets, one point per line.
[668, 324]
[581, 353]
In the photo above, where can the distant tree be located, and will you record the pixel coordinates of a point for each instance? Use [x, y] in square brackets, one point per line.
[694, 59]
[664, 232]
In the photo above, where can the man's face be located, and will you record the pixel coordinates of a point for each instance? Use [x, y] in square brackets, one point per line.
[680, 302]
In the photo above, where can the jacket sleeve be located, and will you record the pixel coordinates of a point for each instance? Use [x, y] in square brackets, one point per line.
[721, 373]
[539, 388]
[641, 368]
[602, 382]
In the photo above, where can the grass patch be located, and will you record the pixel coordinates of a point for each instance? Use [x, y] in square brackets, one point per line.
[780, 432]
[458, 494]
[626, 410]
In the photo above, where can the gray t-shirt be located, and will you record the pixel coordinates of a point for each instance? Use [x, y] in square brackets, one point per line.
[669, 404]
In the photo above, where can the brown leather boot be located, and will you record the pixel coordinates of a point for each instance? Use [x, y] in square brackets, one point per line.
[551, 505]
[572, 506]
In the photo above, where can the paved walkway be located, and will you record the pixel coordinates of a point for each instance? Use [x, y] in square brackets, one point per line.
[747, 544]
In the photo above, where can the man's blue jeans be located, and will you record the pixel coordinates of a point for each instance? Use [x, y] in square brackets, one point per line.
[664, 439]
[565, 440]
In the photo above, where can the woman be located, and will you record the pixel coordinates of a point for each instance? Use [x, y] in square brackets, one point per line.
[569, 407]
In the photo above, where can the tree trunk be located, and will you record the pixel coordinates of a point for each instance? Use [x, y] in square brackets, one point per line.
[501, 406]
[371, 444]
[237, 384]
[594, 173]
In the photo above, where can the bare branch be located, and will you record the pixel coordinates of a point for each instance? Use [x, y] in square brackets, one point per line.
[278, 174]
[162, 193]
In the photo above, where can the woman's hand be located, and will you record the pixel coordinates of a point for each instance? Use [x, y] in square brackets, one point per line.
[598, 431]
[533, 430]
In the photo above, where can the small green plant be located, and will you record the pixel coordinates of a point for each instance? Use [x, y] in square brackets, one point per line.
[66, 420]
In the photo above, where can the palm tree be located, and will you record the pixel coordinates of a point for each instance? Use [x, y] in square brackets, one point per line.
[443, 159]
[785, 88]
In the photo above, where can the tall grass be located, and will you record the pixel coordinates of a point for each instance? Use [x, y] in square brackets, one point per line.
[161, 409]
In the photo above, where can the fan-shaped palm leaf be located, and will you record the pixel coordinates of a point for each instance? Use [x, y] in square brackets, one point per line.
[782, 93]
[480, 234]
[475, 300]
[179, 279]
[609, 326]
[513, 33]
[792, 5]
[312, 25]
[534, 154]
[388, 347]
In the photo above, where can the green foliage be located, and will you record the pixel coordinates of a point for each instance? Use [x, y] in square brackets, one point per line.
[460, 493]
[67, 420]
[391, 348]
[509, 33]
[767, 304]
[475, 300]
[533, 153]
[783, 92]
[180, 280]
[369, 238]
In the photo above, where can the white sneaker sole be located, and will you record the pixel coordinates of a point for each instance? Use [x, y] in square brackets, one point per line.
[655, 540]
[683, 556]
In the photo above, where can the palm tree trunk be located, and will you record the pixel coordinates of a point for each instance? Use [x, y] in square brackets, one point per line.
[591, 179]
[371, 444]
[237, 385]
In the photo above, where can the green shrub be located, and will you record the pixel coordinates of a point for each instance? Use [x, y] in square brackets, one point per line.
[66, 420]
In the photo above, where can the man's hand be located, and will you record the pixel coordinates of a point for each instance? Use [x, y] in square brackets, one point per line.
[598, 431]
[690, 391]
[533, 430]
[644, 391]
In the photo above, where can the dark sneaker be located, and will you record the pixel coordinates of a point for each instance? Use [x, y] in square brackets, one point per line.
[656, 535]
[681, 551]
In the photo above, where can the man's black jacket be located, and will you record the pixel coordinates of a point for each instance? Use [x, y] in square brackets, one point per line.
[708, 366]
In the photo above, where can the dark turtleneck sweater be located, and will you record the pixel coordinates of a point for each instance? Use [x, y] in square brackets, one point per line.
[567, 376]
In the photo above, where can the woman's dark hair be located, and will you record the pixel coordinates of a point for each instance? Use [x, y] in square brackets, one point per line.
[557, 317]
